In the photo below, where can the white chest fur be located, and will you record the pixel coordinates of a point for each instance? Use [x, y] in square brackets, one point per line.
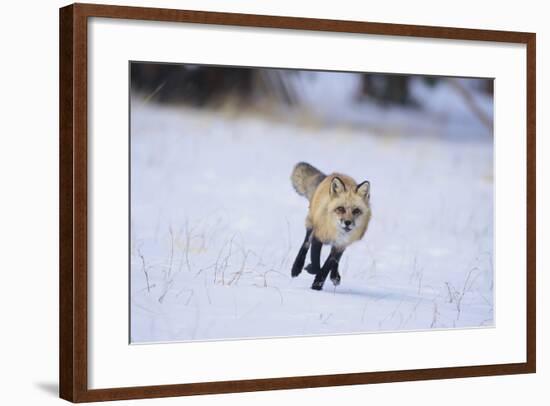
[344, 238]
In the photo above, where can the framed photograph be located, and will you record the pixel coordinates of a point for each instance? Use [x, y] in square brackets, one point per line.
[255, 202]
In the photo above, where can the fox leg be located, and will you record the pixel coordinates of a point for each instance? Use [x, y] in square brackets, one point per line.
[330, 264]
[315, 266]
[301, 257]
[334, 274]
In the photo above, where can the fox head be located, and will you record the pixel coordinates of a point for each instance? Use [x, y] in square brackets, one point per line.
[349, 205]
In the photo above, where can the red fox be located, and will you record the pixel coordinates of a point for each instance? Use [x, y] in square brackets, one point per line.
[339, 214]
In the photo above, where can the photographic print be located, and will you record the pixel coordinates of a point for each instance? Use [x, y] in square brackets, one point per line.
[281, 203]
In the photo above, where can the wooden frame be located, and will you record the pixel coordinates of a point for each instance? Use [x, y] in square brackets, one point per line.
[73, 202]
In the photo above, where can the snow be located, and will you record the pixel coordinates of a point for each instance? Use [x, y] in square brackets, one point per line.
[216, 224]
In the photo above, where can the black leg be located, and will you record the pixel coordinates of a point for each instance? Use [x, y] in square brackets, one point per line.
[330, 263]
[334, 274]
[301, 257]
[315, 266]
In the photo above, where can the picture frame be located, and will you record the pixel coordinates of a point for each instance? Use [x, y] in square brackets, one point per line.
[75, 162]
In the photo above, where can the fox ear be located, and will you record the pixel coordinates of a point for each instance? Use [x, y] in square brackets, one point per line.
[337, 186]
[363, 190]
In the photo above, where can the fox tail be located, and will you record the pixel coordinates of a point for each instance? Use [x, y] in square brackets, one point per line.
[305, 179]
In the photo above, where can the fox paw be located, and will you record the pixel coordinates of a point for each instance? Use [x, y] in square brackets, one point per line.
[317, 286]
[335, 279]
[309, 269]
[295, 271]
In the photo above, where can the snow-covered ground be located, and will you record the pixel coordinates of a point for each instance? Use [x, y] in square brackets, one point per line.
[216, 224]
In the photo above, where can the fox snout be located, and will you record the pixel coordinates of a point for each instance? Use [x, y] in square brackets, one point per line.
[347, 225]
[346, 221]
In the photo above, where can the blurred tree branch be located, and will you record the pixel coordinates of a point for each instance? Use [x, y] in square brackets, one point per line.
[470, 101]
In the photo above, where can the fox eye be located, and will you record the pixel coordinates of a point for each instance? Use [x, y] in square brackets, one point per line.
[356, 212]
[340, 210]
